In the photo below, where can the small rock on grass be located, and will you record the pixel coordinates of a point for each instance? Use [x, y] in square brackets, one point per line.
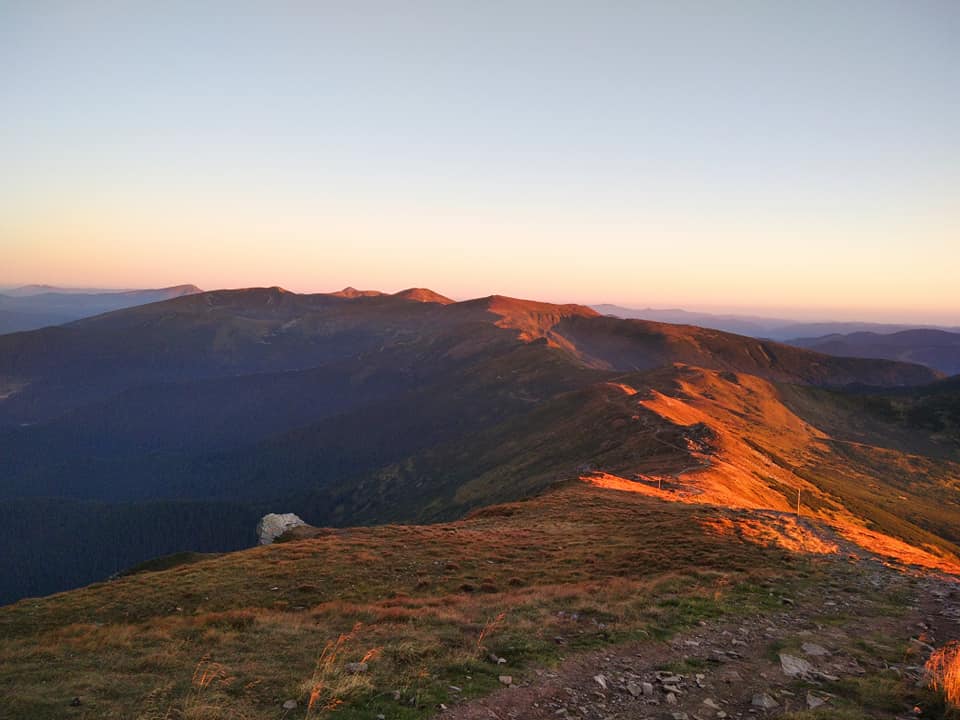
[794, 667]
[506, 679]
[290, 705]
[667, 678]
[731, 676]
[763, 700]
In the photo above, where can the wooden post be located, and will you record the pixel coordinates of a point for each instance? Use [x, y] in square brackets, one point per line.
[798, 502]
[659, 483]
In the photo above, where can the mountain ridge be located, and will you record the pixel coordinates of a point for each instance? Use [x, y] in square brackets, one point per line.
[938, 349]
[780, 329]
[377, 407]
[32, 307]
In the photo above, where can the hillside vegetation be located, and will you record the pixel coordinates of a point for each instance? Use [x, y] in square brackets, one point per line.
[405, 621]
[575, 569]
[595, 485]
[360, 407]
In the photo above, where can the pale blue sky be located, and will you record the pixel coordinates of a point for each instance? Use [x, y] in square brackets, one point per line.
[742, 155]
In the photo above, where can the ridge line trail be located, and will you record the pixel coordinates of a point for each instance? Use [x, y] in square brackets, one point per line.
[859, 620]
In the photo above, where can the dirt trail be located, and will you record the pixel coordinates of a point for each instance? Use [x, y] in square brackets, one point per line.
[849, 628]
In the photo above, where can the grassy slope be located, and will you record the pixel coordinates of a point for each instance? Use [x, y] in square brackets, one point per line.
[891, 458]
[600, 426]
[236, 635]
[714, 437]
[496, 431]
[555, 441]
[890, 479]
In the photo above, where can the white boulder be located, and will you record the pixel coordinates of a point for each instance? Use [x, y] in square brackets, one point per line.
[273, 525]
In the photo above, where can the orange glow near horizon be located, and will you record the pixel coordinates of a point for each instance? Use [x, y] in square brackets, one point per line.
[546, 262]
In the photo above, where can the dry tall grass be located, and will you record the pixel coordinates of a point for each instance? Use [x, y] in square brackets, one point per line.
[943, 671]
[334, 680]
[489, 628]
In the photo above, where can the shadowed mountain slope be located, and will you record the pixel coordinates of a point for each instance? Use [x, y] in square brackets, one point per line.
[369, 408]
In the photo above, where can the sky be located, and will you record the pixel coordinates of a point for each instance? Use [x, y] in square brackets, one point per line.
[798, 159]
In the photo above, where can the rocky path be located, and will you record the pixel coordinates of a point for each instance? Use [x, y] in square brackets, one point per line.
[859, 629]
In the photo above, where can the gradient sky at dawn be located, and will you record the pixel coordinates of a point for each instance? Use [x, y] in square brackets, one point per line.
[783, 157]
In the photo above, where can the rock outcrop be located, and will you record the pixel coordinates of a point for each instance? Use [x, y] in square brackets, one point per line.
[273, 525]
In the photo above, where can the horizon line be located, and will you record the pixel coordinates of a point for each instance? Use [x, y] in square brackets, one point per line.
[789, 314]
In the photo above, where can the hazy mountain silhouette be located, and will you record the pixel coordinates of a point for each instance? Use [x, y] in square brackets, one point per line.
[762, 327]
[36, 306]
[937, 349]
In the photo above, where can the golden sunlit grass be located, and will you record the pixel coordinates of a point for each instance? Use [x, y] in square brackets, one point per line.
[423, 606]
[758, 454]
[943, 672]
[780, 530]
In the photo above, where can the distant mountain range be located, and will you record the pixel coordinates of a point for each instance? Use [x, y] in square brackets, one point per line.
[35, 306]
[780, 329]
[934, 348]
[175, 424]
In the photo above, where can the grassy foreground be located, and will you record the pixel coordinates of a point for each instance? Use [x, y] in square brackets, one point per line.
[422, 607]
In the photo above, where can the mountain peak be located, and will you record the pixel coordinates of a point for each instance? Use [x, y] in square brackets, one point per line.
[533, 320]
[25, 290]
[186, 289]
[504, 304]
[424, 295]
[352, 292]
